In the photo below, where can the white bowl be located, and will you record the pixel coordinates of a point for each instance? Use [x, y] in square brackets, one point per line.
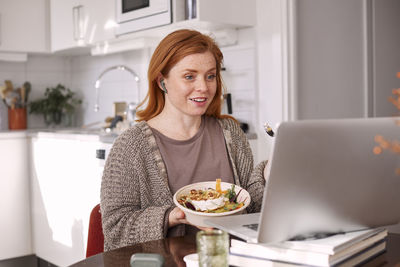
[197, 218]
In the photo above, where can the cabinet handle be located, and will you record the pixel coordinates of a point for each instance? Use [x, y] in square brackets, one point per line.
[77, 22]
[74, 21]
[81, 22]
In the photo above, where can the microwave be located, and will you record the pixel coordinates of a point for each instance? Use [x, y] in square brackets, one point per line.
[137, 15]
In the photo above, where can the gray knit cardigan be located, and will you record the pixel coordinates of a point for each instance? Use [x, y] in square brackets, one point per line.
[135, 196]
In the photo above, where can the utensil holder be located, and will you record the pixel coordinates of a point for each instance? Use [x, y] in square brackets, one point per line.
[17, 118]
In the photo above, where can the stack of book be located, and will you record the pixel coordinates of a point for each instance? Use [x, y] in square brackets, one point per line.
[347, 249]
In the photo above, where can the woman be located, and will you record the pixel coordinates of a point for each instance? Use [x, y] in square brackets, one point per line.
[181, 138]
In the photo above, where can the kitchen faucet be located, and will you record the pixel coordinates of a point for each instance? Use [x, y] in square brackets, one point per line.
[131, 107]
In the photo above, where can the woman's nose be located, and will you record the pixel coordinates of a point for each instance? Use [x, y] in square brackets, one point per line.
[202, 85]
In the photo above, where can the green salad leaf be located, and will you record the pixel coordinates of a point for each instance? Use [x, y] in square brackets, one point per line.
[231, 194]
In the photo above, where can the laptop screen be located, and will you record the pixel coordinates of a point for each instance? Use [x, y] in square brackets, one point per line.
[328, 176]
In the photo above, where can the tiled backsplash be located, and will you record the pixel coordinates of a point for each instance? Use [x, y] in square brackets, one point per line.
[240, 80]
[116, 85]
[79, 73]
[41, 72]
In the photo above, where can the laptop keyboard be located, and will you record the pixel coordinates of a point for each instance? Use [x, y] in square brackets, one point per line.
[253, 226]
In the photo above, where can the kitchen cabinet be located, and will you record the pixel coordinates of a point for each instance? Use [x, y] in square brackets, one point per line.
[24, 26]
[15, 222]
[100, 21]
[65, 184]
[78, 23]
[67, 23]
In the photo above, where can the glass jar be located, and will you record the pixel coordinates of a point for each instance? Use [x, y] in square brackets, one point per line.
[212, 248]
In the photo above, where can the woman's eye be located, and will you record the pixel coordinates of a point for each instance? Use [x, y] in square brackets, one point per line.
[211, 77]
[189, 77]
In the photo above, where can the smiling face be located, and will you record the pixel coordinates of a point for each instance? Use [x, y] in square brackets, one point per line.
[191, 85]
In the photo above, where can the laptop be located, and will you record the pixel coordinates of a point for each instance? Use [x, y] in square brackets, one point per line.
[325, 177]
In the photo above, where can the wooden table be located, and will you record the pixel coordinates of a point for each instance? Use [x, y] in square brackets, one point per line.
[175, 248]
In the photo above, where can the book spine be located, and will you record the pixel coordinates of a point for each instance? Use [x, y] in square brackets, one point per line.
[299, 257]
[356, 259]
[235, 260]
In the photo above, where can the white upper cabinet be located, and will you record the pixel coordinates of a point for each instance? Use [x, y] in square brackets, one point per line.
[78, 23]
[67, 22]
[24, 26]
[100, 20]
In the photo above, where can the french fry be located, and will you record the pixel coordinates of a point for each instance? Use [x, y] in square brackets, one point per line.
[218, 186]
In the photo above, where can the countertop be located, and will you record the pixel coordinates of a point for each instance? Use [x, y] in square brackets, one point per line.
[65, 133]
[94, 134]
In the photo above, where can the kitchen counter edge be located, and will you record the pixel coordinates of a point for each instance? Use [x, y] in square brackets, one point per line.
[72, 134]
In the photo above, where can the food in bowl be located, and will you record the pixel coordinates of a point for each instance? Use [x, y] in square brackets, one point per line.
[211, 200]
[205, 212]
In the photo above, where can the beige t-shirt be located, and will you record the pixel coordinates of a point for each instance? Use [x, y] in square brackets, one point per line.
[203, 157]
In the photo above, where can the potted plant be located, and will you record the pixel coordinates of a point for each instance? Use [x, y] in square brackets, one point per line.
[59, 102]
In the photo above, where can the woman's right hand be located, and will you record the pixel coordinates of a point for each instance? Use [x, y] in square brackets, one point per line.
[176, 216]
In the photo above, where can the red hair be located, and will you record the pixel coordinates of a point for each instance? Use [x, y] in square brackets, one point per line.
[173, 48]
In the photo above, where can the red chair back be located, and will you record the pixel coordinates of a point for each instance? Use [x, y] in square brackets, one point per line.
[95, 242]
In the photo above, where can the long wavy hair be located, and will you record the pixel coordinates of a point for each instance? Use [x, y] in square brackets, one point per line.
[173, 48]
